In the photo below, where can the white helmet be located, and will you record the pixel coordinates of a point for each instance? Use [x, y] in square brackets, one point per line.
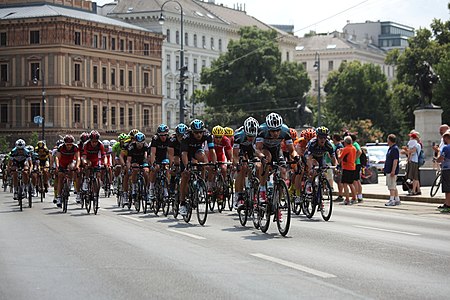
[106, 143]
[274, 121]
[112, 142]
[251, 126]
[20, 144]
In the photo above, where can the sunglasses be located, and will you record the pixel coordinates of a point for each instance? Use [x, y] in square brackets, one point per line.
[322, 137]
[163, 134]
[198, 132]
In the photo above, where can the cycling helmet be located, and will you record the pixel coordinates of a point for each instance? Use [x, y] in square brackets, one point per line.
[69, 139]
[106, 143]
[40, 144]
[84, 137]
[197, 125]
[251, 126]
[59, 143]
[308, 134]
[274, 121]
[218, 131]
[162, 128]
[133, 132]
[122, 137]
[94, 135]
[29, 148]
[322, 131]
[229, 132]
[112, 142]
[181, 128]
[293, 133]
[20, 144]
[139, 137]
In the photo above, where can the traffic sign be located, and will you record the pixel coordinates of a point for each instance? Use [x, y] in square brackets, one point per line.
[37, 120]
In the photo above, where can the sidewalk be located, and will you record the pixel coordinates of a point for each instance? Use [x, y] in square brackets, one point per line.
[380, 191]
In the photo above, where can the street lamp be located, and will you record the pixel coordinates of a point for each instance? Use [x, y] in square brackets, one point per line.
[317, 68]
[35, 81]
[194, 76]
[183, 68]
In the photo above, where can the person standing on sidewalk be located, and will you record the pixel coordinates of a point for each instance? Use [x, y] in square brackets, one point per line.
[337, 144]
[412, 150]
[444, 159]
[347, 157]
[391, 169]
[357, 182]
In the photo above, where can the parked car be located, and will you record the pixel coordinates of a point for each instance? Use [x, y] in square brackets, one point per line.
[377, 154]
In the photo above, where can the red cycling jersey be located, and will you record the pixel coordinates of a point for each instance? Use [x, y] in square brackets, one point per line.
[94, 153]
[221, 147]
[67, 155]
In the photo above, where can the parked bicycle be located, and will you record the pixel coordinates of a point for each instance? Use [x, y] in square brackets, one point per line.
[436, 184]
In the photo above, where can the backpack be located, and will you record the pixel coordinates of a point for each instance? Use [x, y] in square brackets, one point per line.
[363, 158]
[421, 158]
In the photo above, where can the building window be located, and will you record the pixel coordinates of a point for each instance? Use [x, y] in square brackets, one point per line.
[34, 71]
[287, 56]
[2, 39]
[130, 117]
[212, 43]
[168, 35]
[122, 116]
[146, 118]
[113, 115]
[177, 92]
[95, 114]
[130, 78]
[195, 66]
[34, 37]
[113, 76]
[35, 109]
[103, 75]
[304, 65]
[168, 62]
[146, 79]
[77, 38]
[186, 39]
[204, 42]
[195, 40]
[77, 113]
[104, 115]
[113, 43]
[4, 72]
[330, 65]
[130, 47]
[95, 41]
[104, 42]
[146, 49]
[186, 62]
[177, 62]
[203, 63]
[95, 74]
[220, 45]
[3, 113]
[77, 74]
[168, 89]
[122, 77]
[177, 37]
[122, 45]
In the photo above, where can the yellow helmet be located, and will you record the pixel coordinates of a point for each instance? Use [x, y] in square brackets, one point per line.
[218, 131]
[229, 132]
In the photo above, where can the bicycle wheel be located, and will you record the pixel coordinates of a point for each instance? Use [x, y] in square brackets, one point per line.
[254, 204]
[95, 200]
[243, 211]
[189, 203]
[436, 185]
[30, 195]
[264, 216]
[308, 204]
[326, 206]
[41, 187]
[165, 204]
[222, 188]
[158, 194]
[201, 201]
[230, 192]
[82, 196]
[296, 204]
[20, 196]
[88, 202]
[283, 207]
[176, 199]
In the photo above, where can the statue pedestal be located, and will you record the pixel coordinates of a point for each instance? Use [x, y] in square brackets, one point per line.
[427, 124]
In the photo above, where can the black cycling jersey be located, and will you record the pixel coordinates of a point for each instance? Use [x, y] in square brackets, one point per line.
[161, 148]
[137, 155]
[191, 145]
[242, 143]
[175, 144]
[317, 151]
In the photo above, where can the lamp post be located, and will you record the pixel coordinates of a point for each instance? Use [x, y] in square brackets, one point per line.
[317, 68]
[35, 81]
[183, 68]
[194, 76]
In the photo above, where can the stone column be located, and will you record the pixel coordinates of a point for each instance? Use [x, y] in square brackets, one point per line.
[427, 124]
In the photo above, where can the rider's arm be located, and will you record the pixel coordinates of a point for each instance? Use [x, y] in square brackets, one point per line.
[184, 158]
[77, 159]
[259, 147]
[170, 153]
[57, 158]
[152, 155]
[235, 155]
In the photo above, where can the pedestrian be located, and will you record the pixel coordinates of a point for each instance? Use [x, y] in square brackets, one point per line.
[337, 144]
[391, 168]
[444, 160]
[412, 150]
[357, 182]
[347, 159]
[438, 148]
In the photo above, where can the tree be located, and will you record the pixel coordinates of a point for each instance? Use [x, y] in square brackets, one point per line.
[250, 79]
[4, 145]
[34, 138]
[357, 92]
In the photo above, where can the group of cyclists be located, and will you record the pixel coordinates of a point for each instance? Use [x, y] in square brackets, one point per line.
[262, 144]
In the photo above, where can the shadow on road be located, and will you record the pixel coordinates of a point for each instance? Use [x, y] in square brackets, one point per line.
[257, 236]
[237, 229]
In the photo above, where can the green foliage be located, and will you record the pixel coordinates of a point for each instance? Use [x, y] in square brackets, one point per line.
[4, 145]
[251, 78]
[34, 138]
[365, 130]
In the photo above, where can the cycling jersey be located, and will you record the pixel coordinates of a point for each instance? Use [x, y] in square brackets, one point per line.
[317, 151]
[137, 154]
[175, 144]
[19, 155]
[161, 148]
[42, 153]
[93, 153]
[191, 145]
[67, 155]
[221, 148]
[270, 142]
[116, 149]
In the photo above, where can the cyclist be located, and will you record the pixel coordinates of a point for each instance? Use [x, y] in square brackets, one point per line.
[137, 156]
[109, 161]
[118, 160]
[229, 133]
[174, 152]
[123, 160]
[244, 146]
[158, 154]
[192, 149]
[67, 159]
[94, 156]
[224, 153]
[268, 146]
[43, 155]
[19, 161]
[34, 163]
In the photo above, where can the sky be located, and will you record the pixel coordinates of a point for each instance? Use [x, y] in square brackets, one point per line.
[330, 15]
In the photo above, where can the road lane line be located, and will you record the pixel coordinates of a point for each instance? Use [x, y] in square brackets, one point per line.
[132, 218]
[386, 230]
[194, 236]
[293, 265]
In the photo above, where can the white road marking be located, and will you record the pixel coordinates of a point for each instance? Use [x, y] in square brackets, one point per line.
[194, 236]
[386, 230]
[293, 265]
[132, 218]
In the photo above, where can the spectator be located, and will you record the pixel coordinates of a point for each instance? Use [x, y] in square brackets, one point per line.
[391, 168]
[412, 150]
[347, 160]
[337, 145]
[444, 159]
[357, 182]
[438, 148]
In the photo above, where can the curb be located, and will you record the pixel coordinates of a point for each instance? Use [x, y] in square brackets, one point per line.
[403, 198]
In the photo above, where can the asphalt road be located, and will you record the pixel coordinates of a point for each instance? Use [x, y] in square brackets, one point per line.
[364, 251]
